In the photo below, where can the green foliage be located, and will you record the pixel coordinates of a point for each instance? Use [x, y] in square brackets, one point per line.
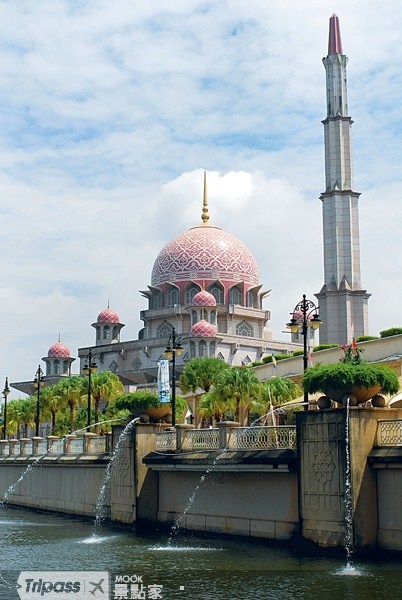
[143, 399]
[201, 373]
[391, 331]
[348, 375]
[279, 390]
[137, 400]
[324, 347]
[298, 352]
[268, 359]
[257, 363]
[366, 338]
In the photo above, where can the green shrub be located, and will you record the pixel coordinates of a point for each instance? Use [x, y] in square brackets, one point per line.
[366, 338]
[298, 352]
[335, 376]
[257, 363]
[144, 399]
[391, 331]
[324, 347]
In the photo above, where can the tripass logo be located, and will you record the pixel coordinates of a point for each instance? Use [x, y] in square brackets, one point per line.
[63, 585]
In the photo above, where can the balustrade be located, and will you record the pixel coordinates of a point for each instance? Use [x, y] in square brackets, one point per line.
[389, 432]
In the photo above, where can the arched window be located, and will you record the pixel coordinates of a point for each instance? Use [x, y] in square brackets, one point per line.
[251, 299]
[191, 291]
[235, 296]
[157, 300]
[173, 296]
[192, 349]
[106, 332]
[194, 317]
[212, 318]
[65, 367]
[244, 329]
[115, 334]
[98, 333]
[56, 367]
[212, 349]
[202, 348]
[164, 330]
[217, 292]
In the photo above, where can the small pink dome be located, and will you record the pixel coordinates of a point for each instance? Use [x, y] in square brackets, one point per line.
[108, 316]
[58, 350]
[204, 298]
[203, 329]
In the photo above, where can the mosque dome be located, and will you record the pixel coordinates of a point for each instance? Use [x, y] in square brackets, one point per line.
[203, 329]
[108, 316]
[204, 298]
[205, 252]
[58, 350]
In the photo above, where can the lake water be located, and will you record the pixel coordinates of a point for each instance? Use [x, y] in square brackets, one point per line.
[186, 568]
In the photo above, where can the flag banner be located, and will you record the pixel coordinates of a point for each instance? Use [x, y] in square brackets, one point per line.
[163, 381]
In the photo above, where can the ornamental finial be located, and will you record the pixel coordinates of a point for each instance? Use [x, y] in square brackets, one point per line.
[205, 212]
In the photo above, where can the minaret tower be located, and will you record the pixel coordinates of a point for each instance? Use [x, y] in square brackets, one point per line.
[343, 302]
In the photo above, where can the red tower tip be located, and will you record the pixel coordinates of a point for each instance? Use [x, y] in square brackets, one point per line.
[334, 41]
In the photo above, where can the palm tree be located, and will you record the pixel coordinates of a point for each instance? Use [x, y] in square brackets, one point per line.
[21, 414]
[201, 374]
[239, 387]
[212, 405]
[52, 403]
[277, 391]
[105, 386]
[71, 390]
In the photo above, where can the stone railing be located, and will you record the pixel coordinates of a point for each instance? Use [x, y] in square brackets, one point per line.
[227, 435]
[389, 432]
[89, 443]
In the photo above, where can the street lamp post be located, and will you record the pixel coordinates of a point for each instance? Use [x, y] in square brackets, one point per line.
[90, 367]
[304, 315]
[38, 383]
[173, 347]
[5, 393]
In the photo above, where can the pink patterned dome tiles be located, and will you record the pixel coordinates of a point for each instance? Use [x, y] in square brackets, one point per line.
[205, 253]
[58, 350]
[203, 329]
[204, 298]
[108, 316]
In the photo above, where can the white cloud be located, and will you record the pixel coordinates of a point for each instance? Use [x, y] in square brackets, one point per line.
[109, 113]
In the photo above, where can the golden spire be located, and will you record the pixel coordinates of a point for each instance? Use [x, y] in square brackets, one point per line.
[205, 212]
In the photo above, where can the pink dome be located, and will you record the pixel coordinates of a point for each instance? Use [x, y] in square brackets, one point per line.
[204, 298]
[203, 329]
[205, 252]
[108, 316]
[58, 350]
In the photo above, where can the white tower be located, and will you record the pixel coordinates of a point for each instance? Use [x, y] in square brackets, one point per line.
[343, 302]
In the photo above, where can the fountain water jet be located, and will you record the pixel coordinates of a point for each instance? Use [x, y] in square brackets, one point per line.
[101, 504]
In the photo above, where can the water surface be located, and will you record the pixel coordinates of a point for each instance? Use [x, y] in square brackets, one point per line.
[186, 567]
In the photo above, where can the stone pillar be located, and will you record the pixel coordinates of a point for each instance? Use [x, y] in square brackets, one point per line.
[181, 434]
[52, 439]
[35, 444]
[122, 485]
[224, 432]
[321, 448]
[88, 436]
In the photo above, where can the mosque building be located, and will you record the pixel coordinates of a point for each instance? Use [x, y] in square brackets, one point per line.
[205, 285]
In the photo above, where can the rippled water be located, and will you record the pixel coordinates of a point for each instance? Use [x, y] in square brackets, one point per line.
[207, 569]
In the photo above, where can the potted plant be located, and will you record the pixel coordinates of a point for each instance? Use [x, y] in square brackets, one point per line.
[145, 402]
[351, 378]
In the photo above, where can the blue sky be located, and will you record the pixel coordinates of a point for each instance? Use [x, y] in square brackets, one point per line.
[110, 112]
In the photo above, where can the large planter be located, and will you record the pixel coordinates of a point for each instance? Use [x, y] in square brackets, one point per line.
[362, 394]
[155, 414]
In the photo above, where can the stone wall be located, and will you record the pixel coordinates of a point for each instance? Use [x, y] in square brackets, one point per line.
[66, 486]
